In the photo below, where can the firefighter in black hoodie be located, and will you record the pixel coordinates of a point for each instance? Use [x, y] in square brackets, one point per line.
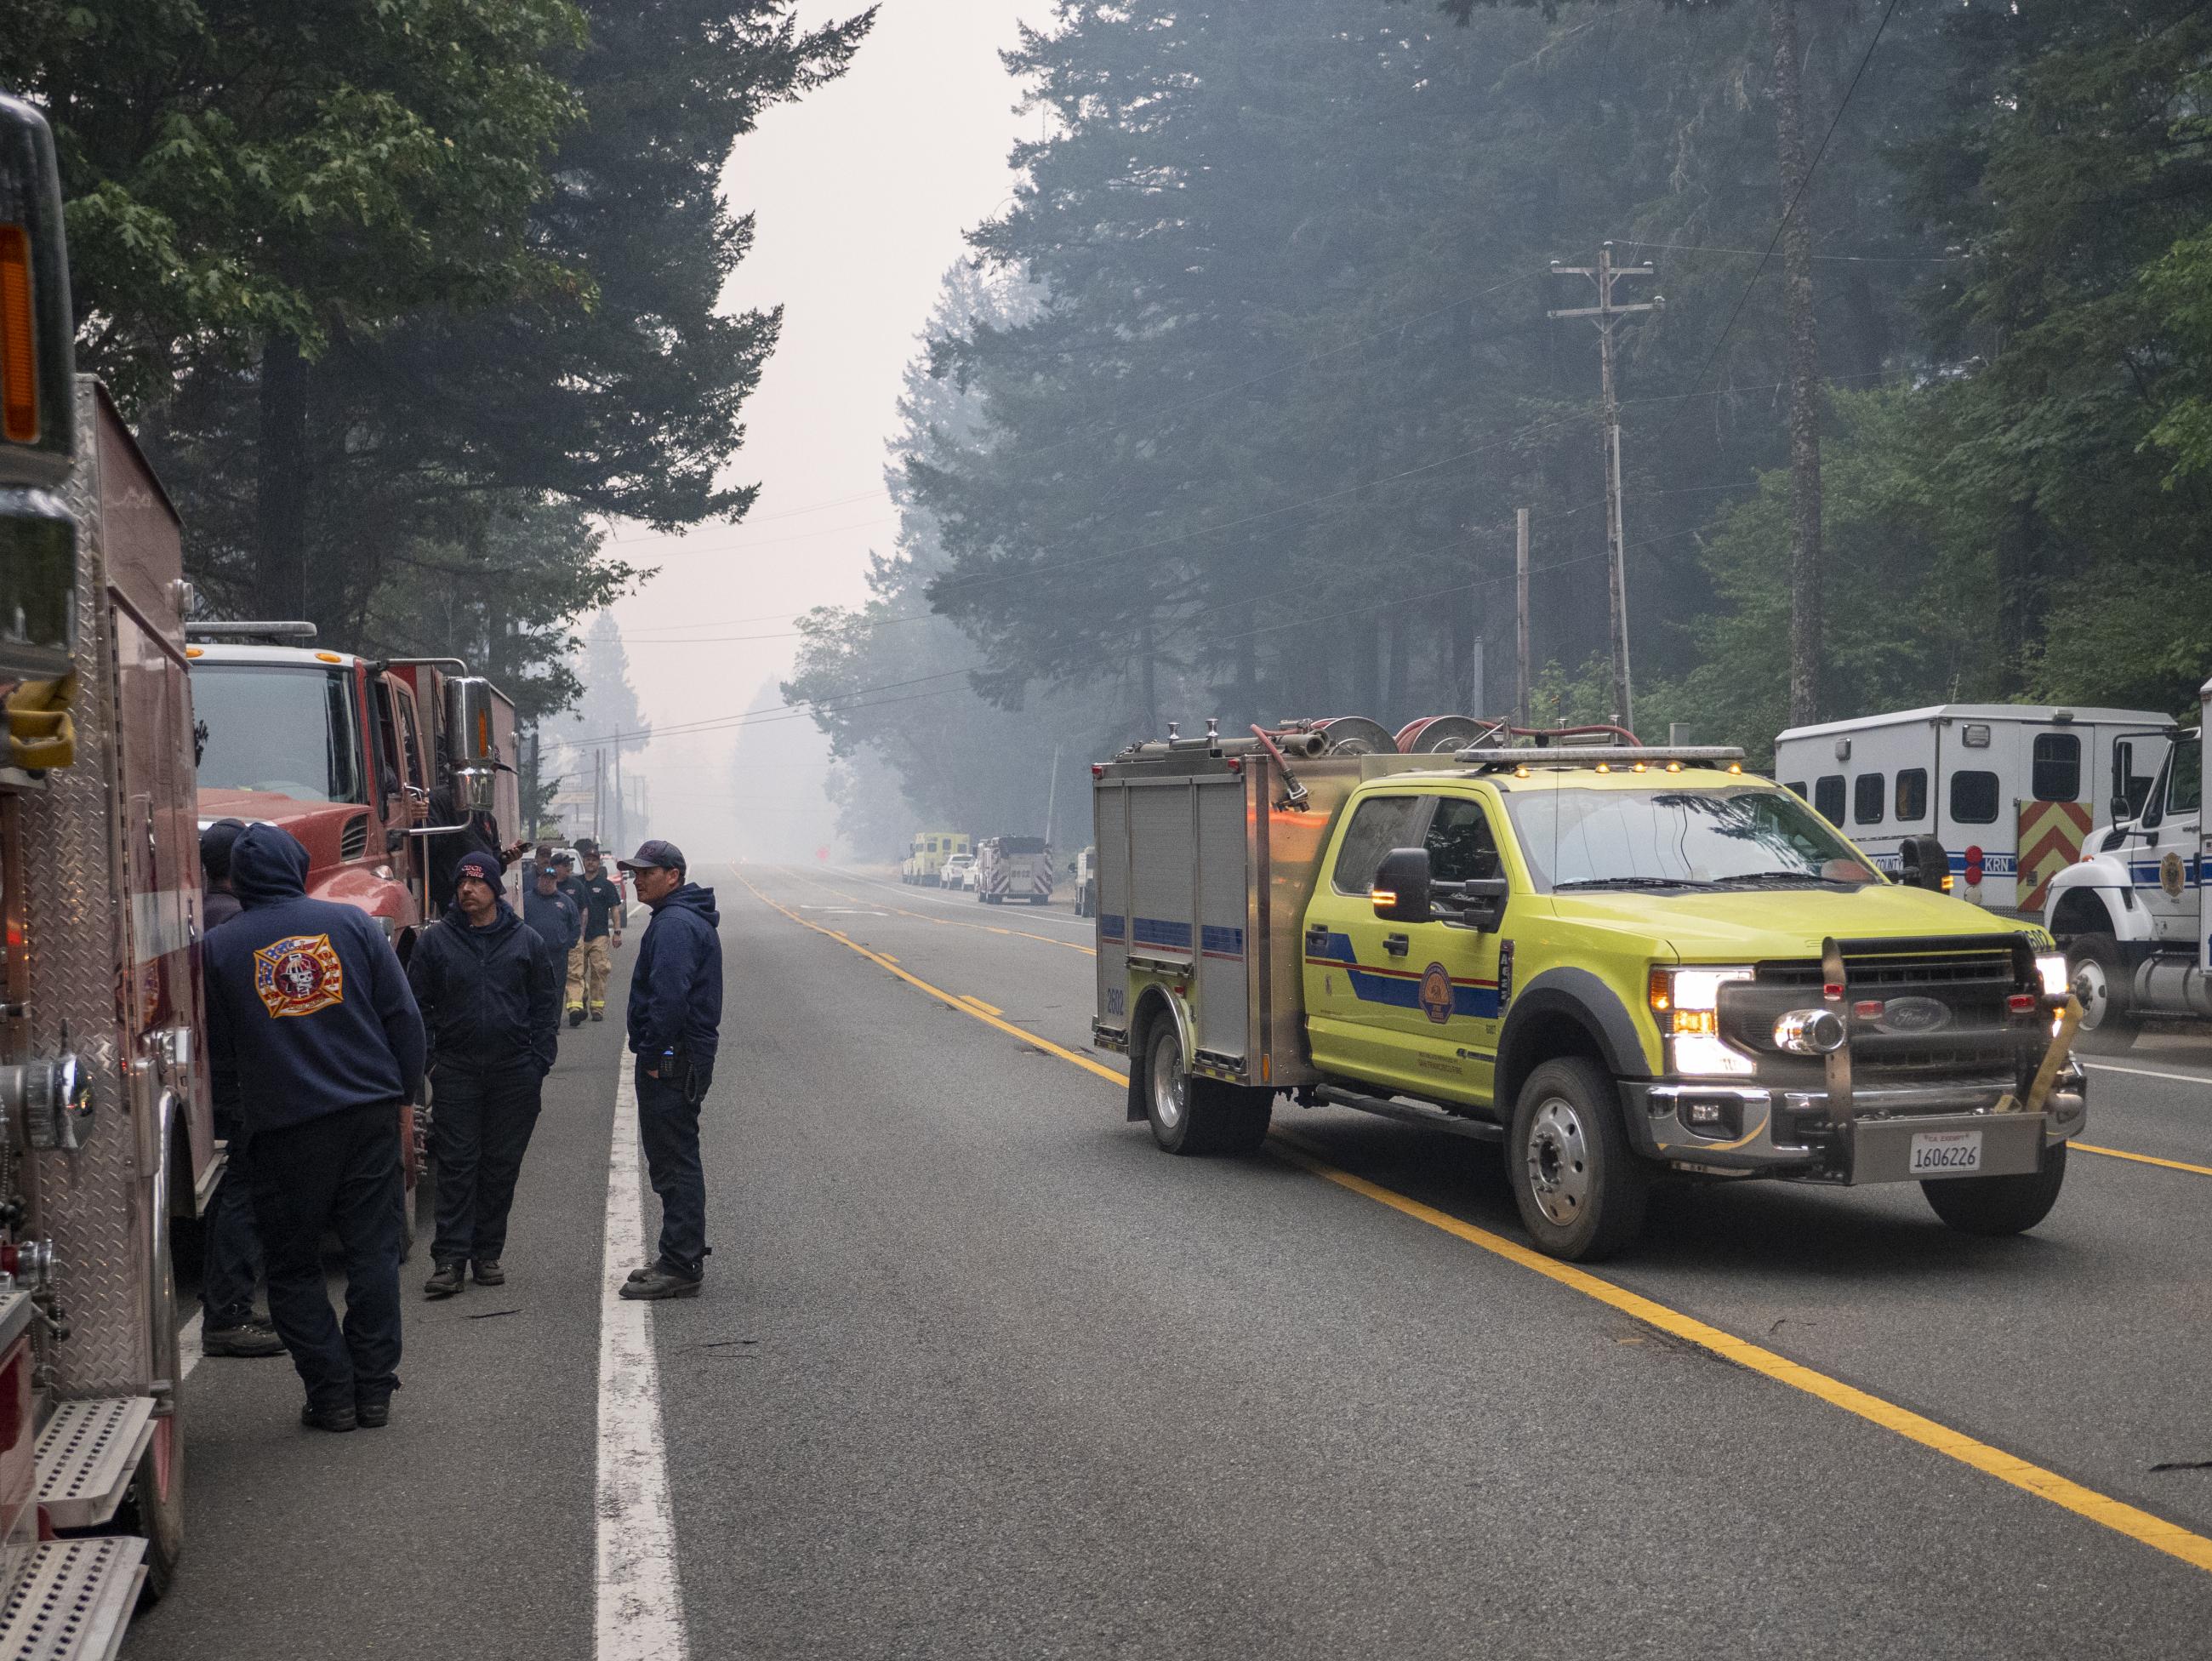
[490, 989]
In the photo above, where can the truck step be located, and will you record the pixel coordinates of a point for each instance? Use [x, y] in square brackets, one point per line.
[1431, 1118]
[73, 1600]
[87, 1455]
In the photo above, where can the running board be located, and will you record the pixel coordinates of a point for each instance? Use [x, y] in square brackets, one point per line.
[88, 1454]
[73, 1599]
[1429, 1118]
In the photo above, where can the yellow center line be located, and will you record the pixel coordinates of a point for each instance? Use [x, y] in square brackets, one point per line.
[2144, 1158]
[949, 999]
[988, 1008]
[947, 922]
[2117, 1515]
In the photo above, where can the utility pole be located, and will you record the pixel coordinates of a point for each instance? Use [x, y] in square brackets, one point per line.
[1606, 313]
[1521, 616]
[598, 795]
[621, 843]
[1051, 795]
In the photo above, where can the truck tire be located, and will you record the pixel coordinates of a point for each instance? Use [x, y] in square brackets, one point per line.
[1581, 1188]
[1994, 1206]
[1199, 1115]
[152, 1508]
[2109, 1021]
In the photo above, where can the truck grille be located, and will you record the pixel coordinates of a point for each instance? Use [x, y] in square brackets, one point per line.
[1974, 1032]
[353, 841]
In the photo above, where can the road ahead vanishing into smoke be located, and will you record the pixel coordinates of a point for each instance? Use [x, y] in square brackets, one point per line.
[979, 1371]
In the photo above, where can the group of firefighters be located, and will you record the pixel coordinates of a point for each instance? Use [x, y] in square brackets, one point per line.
[317, 1035]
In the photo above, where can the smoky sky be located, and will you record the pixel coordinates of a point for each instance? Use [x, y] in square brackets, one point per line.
[861, 192]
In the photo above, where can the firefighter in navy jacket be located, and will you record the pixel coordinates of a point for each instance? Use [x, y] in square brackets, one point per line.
[311, 1030]
[489, 986]
[675, 1021]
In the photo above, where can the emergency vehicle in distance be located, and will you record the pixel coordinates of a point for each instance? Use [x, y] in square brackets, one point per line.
[1623, 962]
[106, 1134]
[1013, 868]
[2010, 790]
[925, 863]
[2131, 912]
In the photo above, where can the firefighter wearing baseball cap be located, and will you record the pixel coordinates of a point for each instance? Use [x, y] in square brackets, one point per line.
[675, 1020]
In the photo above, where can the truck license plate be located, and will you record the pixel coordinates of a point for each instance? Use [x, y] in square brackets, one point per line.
[1945, 1152]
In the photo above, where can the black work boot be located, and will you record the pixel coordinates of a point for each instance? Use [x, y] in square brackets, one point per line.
[446, 1280]
[599, 1014]
[372, 1409]
[575, 1017]
[488, 1273]
[660, 1281]
[250, 1338]
[340, 1417]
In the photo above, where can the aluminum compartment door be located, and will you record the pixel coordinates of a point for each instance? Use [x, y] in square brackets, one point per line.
[1217, 823]
[1162, 874]
[1109, 809]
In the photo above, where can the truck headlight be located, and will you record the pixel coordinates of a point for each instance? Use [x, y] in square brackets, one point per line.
[2056, 983]
[1685, 1004]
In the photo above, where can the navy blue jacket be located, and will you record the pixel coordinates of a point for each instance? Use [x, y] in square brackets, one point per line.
[675, 990]
[308, 1010]
[555, 917]
[490, 996]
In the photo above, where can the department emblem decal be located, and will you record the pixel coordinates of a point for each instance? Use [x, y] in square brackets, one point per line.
[298, 975]
[2171, 876]
[1436, 993]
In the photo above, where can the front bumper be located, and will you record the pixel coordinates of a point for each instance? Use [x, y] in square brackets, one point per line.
[1789, 1132]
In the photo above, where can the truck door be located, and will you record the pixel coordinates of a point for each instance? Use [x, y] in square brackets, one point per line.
[2165, 862]
[1413, 1006]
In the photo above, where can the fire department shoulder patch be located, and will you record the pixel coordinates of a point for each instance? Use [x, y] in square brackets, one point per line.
[298, 975]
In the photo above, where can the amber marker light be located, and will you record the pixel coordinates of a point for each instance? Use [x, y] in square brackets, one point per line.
[19, 357]
[327, 657]
[1382, 896]
[1660, 990]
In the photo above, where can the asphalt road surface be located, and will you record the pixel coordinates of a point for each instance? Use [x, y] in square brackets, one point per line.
[979, 1371]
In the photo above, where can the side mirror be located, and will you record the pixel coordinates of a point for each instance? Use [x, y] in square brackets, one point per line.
[1482, 903]
[1401, 891]
[2122, 809]
[1922, 863]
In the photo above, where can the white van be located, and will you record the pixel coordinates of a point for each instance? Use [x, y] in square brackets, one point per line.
[2010, 790]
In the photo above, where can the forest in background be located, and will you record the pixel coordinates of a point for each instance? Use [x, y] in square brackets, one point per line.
[1230, 412]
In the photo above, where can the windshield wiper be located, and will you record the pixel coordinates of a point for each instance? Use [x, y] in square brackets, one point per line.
[1763, 877]
[1628, 882]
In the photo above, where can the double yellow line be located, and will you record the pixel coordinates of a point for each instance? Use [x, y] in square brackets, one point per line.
[2117, 1515]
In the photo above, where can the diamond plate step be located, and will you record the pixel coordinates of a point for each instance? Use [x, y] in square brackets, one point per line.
[87, 1455]
[74, 1600]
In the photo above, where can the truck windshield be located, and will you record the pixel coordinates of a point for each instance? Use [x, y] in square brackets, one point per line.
[1741, 838]
[275, 728]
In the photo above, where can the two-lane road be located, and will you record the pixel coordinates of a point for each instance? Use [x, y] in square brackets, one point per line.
[979, 1371]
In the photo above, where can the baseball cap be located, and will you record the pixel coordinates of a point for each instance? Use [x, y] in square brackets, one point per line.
[655, 855]
[564, 857]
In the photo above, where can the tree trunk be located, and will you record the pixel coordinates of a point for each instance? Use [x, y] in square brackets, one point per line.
[1806, 669]
[280, 483]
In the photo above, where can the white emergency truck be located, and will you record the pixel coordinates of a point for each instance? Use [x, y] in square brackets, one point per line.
[2010, 790]
[1013, 868]
[2130, 914]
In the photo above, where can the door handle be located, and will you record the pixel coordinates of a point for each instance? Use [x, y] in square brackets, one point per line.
[1316, 939]
[1396, 944]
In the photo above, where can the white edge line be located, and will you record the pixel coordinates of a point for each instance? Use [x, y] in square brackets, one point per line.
[188, 1344]
[640, 1601]
[2146, 1072]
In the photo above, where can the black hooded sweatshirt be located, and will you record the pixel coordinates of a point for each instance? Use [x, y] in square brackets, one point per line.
[308, 1010]
[490, 996]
